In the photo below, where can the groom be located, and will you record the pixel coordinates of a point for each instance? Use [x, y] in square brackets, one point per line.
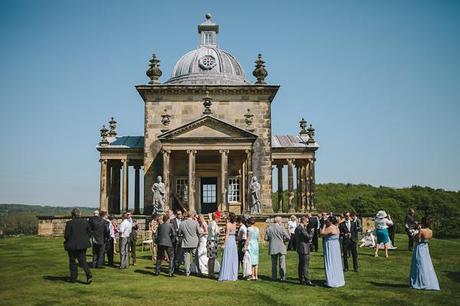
[349, 232]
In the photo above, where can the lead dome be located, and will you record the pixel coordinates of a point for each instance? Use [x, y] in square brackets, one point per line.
[208, 64]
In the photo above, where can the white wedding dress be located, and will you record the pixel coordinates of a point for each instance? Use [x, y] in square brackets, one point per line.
[202, 258]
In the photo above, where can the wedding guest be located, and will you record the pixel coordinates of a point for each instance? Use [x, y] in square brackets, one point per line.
[212, 244]
[125, 232]
[381, 229]
[252, 246]
[276, 235]
[292, 225]
[391, 234]
[368, 240]
[409, 226]
[241, 238]
[189, 230]
[77, 234]
[154, 223]
[178, 254]
[100, 233]
[164, 240]
[229, 265]
[303, 236]
[110, 245]
[201, 258]
[133, 236]
[314, 223]
[323, 219]
[349, 231]
[115, 230]
[331, 253]
[422, 273]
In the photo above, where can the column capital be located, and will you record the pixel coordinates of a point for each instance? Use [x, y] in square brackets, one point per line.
[290, 161]
[124, 160]
[224, 151]
[103, 161]
[193, 152]
[165, 152]
[248, 151]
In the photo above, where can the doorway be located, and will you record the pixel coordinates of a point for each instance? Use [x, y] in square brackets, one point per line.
[208, 194]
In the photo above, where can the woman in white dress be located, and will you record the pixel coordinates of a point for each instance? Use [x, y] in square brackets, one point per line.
[201, 264]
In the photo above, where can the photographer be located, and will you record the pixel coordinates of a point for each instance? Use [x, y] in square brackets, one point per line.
[409, 225]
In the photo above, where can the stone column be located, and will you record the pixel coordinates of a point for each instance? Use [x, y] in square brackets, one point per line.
[307, 184]
[244, 200]
[248, 177]
[191, 180]
[137, 210]
[223, 179]
[291, 185]
[279, 166]
[124, 196]
[302, 185]
[104, 195]
[115, 188]
[298, 168]
[166, 171]
[312, 188]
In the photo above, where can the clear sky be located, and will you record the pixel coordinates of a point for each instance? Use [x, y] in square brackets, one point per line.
[379, 80]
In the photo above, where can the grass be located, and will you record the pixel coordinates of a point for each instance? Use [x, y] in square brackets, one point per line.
[33, 271]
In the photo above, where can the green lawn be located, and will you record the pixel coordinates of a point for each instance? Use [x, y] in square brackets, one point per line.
[33, 271]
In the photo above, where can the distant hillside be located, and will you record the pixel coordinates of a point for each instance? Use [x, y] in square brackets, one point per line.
[21, 219]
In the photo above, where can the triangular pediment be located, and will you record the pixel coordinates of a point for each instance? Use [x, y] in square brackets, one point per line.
[207, 127]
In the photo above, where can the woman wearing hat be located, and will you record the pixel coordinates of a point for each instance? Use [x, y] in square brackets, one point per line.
[381, 229]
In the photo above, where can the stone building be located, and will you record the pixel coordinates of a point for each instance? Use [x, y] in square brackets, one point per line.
[207, 133]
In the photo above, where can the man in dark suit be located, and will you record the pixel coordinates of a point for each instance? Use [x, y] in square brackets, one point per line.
[314, 223]
[165, 237]
[303, 236]
[77, 234]
[349, 232]
[100, 233]
[409, 225]
[177, 243]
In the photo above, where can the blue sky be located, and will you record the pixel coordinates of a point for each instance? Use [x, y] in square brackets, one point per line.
[379, 80]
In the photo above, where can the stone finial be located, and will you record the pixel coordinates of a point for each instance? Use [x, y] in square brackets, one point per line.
[104, 133]
[311, 134]
[154, 72]
[165, 121]
[260, 72]
[249, 118]
[113, 127]
[207, 102]
[303, 127]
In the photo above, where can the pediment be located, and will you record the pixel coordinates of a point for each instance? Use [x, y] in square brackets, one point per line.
[207, 127]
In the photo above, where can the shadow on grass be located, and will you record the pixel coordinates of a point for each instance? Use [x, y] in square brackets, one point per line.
[453, 275]
[389, 285]
[144, 272]
[64, 279]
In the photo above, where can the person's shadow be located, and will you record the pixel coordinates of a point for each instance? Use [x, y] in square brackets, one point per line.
[377, 284]
[64, 279]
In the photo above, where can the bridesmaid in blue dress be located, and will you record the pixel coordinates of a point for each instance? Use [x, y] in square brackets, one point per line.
[331, 253]
[229, 266]
[422, 274]
[252, 245]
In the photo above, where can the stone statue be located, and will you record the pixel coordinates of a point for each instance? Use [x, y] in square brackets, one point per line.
[254, 187]
[159, 191]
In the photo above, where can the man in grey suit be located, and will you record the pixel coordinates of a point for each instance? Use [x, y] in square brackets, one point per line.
[276, 235]
[189, 229]
[303, 237]
[164, 241]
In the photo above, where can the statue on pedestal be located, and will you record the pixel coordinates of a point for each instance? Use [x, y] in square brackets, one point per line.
[254, 187]
[159, 191]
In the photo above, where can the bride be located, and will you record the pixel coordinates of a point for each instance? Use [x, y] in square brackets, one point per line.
[200, 266]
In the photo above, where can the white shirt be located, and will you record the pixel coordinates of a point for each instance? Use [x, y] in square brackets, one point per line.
[213, 231]
[243, 232]
[125, 228]
[348, 224]
[292, 226]
[111, 229]
[382, 223]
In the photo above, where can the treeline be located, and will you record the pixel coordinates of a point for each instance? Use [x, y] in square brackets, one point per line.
[22, 219]
[442, 206]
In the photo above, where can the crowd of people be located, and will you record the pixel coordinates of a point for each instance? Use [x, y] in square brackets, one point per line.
[187, 239]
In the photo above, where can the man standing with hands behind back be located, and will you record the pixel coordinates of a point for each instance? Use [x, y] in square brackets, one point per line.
[303, 237]
[276, 235]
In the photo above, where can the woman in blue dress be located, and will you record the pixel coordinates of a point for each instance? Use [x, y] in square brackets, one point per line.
[422, 274]
[331, 253]
[252, 245]
[229, 266]
[382, 221]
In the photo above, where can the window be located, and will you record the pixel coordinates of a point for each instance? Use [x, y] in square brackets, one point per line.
[181, 188]
[209, 193]
[234, 189]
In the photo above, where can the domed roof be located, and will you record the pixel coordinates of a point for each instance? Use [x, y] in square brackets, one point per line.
[208, 64]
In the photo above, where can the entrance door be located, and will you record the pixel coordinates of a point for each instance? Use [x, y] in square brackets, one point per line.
[208, 194]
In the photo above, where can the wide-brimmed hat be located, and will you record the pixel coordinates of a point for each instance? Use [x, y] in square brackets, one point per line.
[381, 214]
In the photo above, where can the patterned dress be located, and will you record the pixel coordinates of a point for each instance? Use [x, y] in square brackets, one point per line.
[253, 245]
[213, 240]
